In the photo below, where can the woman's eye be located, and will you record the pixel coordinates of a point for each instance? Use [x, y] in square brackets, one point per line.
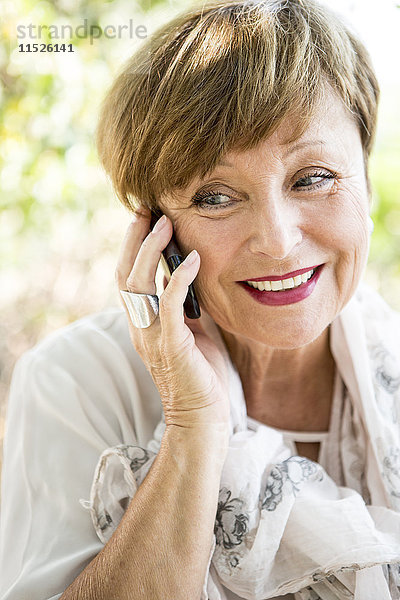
[211, 199]
[309, 180]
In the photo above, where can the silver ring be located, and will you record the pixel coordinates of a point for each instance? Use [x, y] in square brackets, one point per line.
[143, 308]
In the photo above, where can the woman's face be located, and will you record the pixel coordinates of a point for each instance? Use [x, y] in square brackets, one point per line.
[279, 208]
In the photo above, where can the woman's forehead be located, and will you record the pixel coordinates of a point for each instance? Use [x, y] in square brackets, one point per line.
[331, 123]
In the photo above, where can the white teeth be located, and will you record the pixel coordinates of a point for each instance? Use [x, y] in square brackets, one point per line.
[288, 283]
[297, 280]
[283, 284]
[263, 286]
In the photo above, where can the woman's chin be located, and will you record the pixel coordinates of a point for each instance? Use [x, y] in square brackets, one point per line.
[290, 340]
[279, 334]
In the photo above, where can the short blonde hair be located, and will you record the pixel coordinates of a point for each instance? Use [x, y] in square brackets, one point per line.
[223, 76]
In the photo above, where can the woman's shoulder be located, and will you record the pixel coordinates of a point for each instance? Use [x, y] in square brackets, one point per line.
[109, 325]
[89, 349]
[100, 337]
[94, 351]
[90, 365]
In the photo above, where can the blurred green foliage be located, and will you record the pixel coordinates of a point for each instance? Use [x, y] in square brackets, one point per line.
[384, 260]
[60, 226]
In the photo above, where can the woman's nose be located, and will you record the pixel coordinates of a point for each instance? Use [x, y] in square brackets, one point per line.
[275, 230]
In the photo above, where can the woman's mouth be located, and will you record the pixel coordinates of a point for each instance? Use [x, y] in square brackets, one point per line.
[283, 291]
[282, 284]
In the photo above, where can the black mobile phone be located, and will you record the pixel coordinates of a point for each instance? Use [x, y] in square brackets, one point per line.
[173, 258]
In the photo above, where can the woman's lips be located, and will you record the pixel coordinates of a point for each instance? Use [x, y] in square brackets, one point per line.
[288, 296]
[280, 277]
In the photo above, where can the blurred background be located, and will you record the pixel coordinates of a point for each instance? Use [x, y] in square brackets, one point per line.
[60, 224]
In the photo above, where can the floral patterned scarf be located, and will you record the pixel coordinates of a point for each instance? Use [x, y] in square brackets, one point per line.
[282, 524]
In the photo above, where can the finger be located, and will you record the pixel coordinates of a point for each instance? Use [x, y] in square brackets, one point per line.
[172, 299]
[137, 231]
[141, 279]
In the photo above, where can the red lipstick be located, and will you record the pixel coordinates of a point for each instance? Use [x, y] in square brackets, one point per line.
[282, 297]
[279, 277]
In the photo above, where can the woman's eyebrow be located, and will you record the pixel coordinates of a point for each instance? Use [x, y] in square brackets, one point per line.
[303, 145]
[223, 163]
[287, 153]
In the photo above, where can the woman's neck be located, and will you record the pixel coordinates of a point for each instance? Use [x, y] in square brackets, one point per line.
[286, 389]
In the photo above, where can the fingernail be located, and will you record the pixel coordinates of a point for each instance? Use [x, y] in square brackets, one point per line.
[191, 257]
[160, 223]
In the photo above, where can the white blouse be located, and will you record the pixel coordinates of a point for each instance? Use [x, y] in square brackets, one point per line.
[80, 391]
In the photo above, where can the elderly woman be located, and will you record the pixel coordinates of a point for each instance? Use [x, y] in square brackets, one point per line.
[253, 452]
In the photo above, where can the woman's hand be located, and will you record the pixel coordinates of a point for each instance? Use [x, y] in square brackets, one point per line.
[187, 367]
